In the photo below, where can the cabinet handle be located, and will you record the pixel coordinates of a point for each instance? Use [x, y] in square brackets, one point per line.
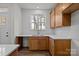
[6, 35]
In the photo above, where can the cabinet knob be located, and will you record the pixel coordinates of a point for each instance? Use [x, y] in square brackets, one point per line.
[6, 35]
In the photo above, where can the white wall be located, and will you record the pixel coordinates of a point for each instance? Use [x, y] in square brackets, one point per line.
[71, 32]
[27, 17]
[63, 32]
[9, 40]
[75, 32]
[26, 21]
[5, 28]
[17, 20]
[15, 14]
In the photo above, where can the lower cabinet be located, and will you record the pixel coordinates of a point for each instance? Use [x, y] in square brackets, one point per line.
[62, 47]
[51, 46]
[38, 43]
[56, 47]
[19, 40]
[33, 44]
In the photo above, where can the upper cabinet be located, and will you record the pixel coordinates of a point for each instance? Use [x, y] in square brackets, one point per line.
[72, 8]
[52, 21]
[58, 19]
[58, 16]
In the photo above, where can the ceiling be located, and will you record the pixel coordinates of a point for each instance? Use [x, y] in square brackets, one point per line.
[37, 5]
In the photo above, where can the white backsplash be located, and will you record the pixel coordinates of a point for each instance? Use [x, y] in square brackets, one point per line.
[63, 32]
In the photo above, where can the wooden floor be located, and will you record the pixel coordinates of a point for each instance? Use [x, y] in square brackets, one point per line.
[27, 52]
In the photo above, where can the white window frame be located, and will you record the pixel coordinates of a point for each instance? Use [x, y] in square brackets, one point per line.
[38, 22]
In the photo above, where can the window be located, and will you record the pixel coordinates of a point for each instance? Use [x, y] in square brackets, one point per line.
[38, 22]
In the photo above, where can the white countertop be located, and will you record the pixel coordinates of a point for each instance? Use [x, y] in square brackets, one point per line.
[24, 35]
[52, 36]
[58, 37]
[7, 49]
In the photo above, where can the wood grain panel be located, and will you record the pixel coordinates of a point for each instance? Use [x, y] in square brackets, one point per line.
[38, 43]
[66, 19]
[62, 47]
[33, 43]
[58, 19]
[72, 8]
[51, 46]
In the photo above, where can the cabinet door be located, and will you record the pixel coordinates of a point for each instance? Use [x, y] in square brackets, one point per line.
[58, 16]
[51, 46]
[52, 19]
[19, 40]
[33, 44]
[43, 43]
[38, 43]
[59, 20]
[62, 47]
[58, 48]
[67, 47]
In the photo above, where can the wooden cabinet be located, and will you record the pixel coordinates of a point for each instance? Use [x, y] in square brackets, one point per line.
[19, 40]
[51, 46]
[72, 8]
[57, 47]
[33, 43]
[43, 43]
[52, 19]
[62, 47]
[58, 19]
[38, 43]
[58, 16]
